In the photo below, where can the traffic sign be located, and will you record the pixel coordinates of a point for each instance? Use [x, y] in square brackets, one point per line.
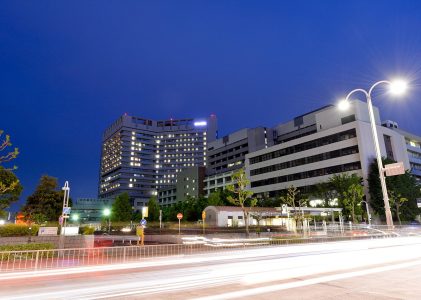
[179, 216]
[66, 210]
[394, 169]
[203, 215]
[143, 222]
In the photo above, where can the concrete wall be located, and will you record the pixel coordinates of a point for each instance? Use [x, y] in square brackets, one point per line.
[77, 241]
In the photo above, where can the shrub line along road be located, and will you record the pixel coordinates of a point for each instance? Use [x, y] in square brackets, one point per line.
[362, 269]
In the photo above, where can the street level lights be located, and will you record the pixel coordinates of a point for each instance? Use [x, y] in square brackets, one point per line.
[75, 217]
[396, 87]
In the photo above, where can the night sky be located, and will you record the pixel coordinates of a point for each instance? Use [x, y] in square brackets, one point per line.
[68, 69]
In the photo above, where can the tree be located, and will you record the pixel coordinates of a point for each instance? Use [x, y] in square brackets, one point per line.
[402, 186]
[341, 184]
[242, 196]
[292, 200]
[121, 210]
[396, 202]
[9, 155]
[352, 199]
[325, 192]
[10, 188]
[38, 218]
[153, 209]
[47, 200]
[215, 199]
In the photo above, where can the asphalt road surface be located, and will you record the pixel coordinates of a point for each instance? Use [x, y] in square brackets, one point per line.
[364, 269]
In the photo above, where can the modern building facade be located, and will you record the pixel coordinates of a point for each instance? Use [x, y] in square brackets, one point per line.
[228, 154]
[90, 210]
[312, 147]
[413, 148]
[190, 183]
[140, 156]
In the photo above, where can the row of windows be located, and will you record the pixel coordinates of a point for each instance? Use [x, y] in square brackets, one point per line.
[228, 158]
[308, 174]
[415, 166]
[330, 139]
[305, 160]
[228, 150]
[414, 154]
[219, 181]
[304, 131]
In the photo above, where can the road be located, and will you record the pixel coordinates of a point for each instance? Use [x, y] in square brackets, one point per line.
[364, 269]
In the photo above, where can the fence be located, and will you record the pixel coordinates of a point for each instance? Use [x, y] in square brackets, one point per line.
[69, 258]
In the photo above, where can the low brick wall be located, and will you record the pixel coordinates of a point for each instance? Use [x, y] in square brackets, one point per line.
[76, 241]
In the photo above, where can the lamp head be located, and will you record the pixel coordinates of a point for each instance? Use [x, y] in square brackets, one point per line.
[107, 212]
[344, 104]
[398, 87]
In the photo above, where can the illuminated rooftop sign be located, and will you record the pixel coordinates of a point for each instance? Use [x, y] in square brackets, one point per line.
[200, 123]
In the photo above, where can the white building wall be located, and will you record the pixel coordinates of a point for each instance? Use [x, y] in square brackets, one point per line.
[328, 122]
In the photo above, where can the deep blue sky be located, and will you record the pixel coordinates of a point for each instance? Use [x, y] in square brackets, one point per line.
[70, 68]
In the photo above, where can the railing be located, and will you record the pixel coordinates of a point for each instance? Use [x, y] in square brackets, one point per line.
[11, 261]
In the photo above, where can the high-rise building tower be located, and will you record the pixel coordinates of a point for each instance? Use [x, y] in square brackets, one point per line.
[140, 156]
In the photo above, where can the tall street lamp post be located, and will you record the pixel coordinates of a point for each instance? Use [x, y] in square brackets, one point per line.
[396, 87]
[65, 212]
[107, 213]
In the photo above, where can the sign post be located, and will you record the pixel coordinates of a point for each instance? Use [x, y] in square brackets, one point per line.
[66, 209]
[160, 218]
[179, 217]
[203, 221]
[140, 232]
[64, 213]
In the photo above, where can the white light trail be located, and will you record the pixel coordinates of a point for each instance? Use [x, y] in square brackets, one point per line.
[238, 268]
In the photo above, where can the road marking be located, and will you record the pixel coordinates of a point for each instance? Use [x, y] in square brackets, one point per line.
[307, 282]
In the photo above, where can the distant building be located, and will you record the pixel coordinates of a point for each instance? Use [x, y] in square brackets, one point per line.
[314, 146]
[140, 156]
[226, 155]
[233, 216]
[90, 210]
[189, 184]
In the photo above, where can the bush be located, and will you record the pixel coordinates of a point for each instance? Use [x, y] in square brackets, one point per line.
[24, 247]
[26, 255]
[18, 230]
[87, 230]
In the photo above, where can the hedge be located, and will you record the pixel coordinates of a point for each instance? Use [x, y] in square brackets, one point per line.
[24, 247]
[18, 230]
[87, 230]
[13, 251]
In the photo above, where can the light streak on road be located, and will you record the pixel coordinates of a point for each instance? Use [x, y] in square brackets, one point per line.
[307, 282]
[254, 271]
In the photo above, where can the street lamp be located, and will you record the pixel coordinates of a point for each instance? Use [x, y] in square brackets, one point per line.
[75, 217]
[107, 213]
[396, 87]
